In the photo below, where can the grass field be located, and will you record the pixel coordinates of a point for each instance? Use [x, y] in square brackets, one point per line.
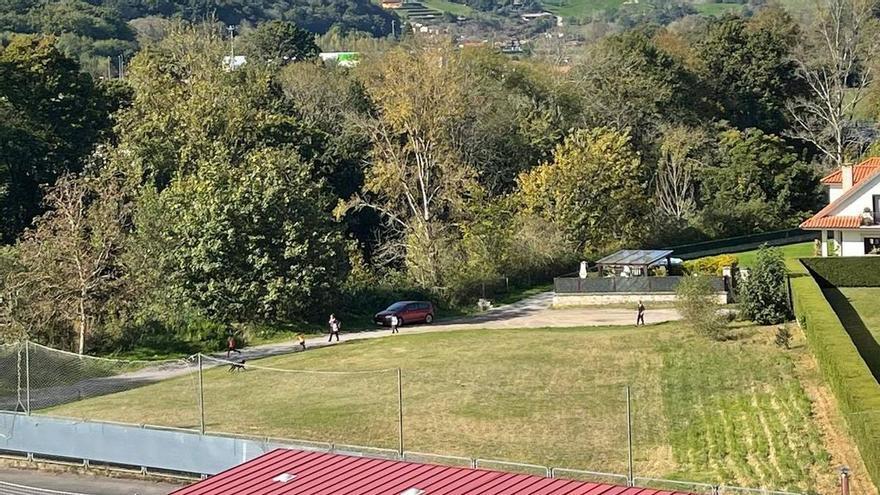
[446, 6]
[706, 411]
[866, 301]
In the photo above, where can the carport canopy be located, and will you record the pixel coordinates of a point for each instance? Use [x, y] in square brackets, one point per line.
[636, 258]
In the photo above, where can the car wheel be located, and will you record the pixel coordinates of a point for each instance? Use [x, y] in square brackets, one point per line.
[429, 318]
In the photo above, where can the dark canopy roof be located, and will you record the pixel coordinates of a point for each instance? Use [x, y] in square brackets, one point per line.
[634, 257]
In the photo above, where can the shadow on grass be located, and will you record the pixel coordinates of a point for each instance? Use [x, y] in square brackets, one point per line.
[861, 336]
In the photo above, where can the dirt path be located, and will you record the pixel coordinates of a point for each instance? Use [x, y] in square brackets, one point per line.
[533, 312]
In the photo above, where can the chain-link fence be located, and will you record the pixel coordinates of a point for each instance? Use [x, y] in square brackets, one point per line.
[548, 420]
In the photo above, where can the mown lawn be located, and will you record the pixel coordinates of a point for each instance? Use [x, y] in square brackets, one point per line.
[791, 253]
[866, 301]
[728, 412]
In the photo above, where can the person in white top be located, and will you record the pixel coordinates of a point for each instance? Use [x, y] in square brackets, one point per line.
[334, 328]
[395, 324]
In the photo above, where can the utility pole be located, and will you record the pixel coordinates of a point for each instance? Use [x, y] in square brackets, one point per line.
[399, 413]
[393, 33]
[121, 67]
[231, 30]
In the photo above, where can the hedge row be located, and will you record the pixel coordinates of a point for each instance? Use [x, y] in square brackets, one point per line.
[855, 388]
[863, 271]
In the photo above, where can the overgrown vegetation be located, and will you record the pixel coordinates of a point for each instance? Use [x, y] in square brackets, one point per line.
[697, 301]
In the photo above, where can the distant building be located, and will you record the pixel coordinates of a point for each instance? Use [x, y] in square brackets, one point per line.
[392, 4]
[343, 59]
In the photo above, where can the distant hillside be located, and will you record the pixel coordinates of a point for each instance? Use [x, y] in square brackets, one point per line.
[98, 29]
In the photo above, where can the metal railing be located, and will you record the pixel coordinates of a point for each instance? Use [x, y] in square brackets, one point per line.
[576, 285]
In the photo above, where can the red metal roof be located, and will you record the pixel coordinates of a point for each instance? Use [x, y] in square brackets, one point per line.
[860, 172]
[317, 473]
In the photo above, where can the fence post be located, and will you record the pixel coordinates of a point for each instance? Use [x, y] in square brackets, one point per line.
[399, 413]
[629, 440]
[844, 480]
[27, 375]
[201, 398]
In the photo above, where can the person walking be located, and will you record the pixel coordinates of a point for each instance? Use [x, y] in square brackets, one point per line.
[302, 341]
[334, 328]
[640, 318]
[395, 324]
[231, 346]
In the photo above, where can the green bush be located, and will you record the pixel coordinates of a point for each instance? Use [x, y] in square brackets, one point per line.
[845, 272]
[697, 302]
[710, 265]
[850, 379]
[763, 293]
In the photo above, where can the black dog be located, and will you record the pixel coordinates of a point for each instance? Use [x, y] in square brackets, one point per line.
[239, 366]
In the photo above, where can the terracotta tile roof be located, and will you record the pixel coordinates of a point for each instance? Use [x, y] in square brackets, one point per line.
[860, 172]
[294, 472]
[825, 220]
[831, 223]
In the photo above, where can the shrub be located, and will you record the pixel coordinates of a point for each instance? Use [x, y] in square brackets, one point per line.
[697, 302]
[783, 337]
[710, 265]
[763, 293]
[845, 272]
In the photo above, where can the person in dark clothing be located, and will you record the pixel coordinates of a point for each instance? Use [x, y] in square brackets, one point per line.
[231, 346]
[334, 328]
[640, 318]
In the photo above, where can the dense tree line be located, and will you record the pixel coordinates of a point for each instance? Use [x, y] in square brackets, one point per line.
[198, 196]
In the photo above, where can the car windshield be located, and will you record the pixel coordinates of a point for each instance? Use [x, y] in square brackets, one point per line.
[396, 306]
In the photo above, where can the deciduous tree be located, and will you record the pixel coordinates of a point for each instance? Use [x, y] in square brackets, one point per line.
[595, 190]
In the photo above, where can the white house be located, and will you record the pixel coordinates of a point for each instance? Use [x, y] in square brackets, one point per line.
[851, 221]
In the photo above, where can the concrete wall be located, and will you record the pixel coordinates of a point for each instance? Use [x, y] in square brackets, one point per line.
[126, 445]
[852, 243]
[571, 300]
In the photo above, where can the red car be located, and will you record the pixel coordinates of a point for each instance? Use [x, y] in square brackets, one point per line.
[407, 312]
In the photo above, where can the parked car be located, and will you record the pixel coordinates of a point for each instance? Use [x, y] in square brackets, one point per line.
[407, 312]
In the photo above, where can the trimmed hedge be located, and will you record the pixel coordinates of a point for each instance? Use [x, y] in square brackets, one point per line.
[862, 271]
[850, 379]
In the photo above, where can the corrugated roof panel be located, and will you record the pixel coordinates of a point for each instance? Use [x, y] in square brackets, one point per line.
[316, 473]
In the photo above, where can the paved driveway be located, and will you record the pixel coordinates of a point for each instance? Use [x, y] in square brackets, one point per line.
[13, 481]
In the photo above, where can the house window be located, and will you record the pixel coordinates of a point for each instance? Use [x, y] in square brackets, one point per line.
[872, 245]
